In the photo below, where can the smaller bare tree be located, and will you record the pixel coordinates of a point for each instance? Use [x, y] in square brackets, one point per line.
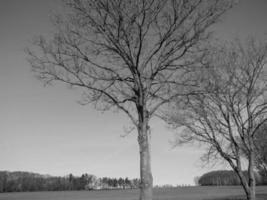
[232, 107]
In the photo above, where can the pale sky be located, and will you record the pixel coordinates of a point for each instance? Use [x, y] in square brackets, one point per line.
[45, 130]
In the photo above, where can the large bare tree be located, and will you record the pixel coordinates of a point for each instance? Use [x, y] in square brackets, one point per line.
[127, 54]
[231, 109]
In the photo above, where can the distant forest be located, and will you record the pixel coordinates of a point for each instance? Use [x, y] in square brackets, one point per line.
[226, 177]
[26, 182]
[29, 182]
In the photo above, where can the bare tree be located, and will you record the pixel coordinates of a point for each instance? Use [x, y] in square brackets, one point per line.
[128, 54]
[261, 151]
[233, 106]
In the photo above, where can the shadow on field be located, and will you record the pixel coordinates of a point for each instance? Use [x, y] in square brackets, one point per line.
[258, 197]
[228, 198]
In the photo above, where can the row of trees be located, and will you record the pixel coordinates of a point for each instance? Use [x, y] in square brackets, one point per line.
[113, 183]
[225, 177]
[25, 181]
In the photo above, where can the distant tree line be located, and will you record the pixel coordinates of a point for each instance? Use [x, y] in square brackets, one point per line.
[26, 182]
[226, 177]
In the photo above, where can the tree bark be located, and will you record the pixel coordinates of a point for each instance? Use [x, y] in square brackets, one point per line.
[244, 183]
[146, 184]
[248, 184]
[251, 176]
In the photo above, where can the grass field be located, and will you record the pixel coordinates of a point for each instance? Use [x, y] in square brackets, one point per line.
[183, 193]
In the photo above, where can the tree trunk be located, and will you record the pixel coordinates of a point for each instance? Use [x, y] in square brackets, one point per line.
[251, 176]
[243, 181]
[146, 184]
[247, 184]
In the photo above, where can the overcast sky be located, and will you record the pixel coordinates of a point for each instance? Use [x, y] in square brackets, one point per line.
[45, 130]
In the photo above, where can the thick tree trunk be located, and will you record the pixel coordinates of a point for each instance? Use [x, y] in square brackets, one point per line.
[146, 184]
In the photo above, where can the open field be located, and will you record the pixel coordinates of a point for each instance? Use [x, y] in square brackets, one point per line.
[183, 193]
